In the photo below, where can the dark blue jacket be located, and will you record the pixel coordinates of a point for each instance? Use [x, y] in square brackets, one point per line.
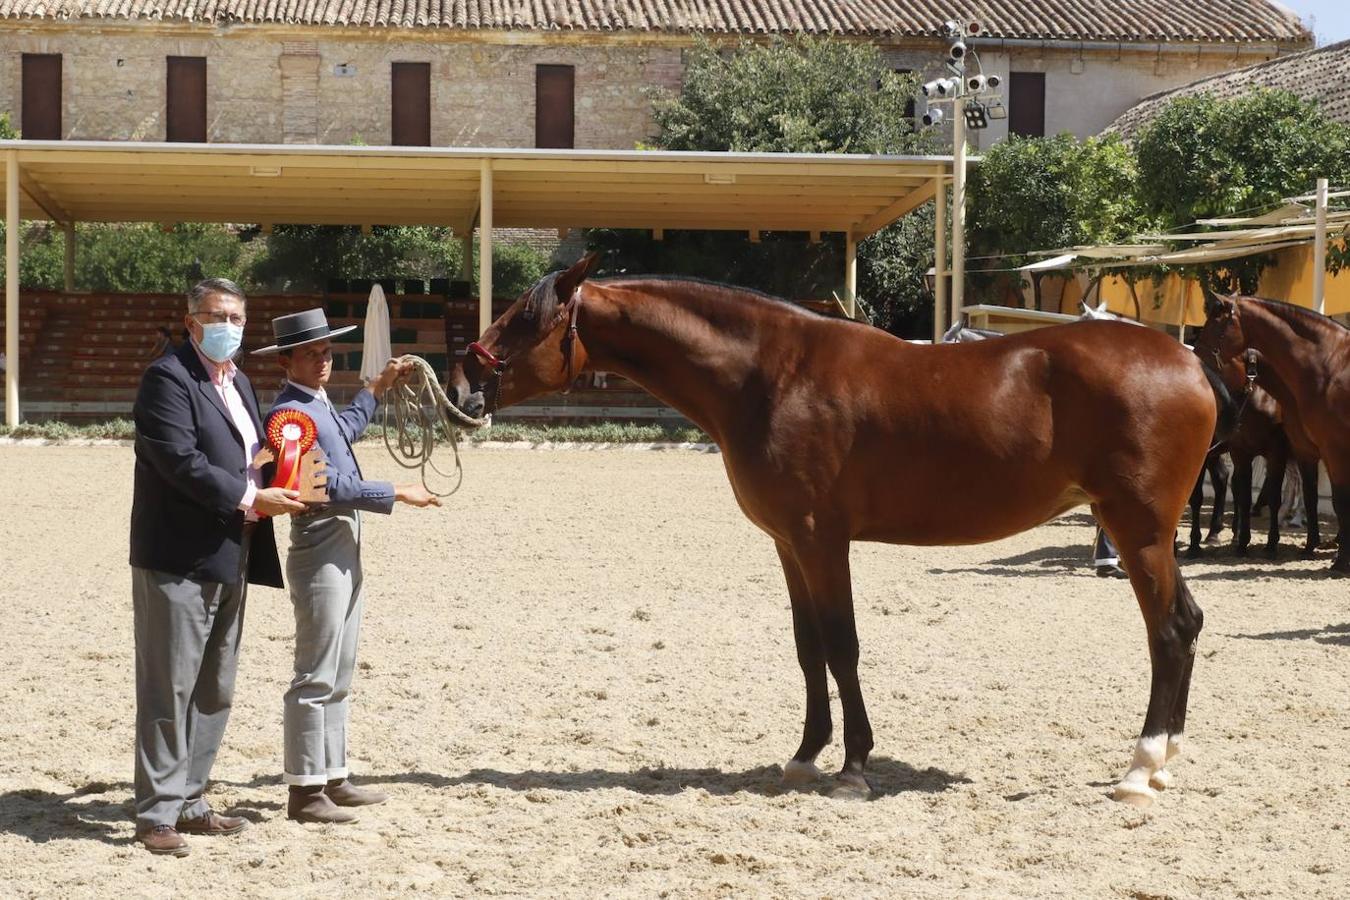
[190, 476]
[337, 431]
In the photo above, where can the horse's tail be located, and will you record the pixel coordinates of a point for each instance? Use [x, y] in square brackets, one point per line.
[1227, 420]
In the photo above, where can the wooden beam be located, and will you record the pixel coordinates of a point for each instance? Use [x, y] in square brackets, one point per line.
[905, 205]
[39, 196]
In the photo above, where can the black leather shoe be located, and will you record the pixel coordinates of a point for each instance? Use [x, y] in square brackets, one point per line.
[1111, 572]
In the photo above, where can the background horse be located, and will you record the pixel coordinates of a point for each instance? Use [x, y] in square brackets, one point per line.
[832, 432]
[1309, 357]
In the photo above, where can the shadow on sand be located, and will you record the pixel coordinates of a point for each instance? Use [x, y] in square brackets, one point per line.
[1330, 634]
[888, 776]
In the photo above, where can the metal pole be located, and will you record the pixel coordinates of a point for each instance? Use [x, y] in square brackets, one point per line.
[12, 288]
[958, 207]
[940, 263]
[485, 247]
[851, 275]
[1320, 250]
[69, 231]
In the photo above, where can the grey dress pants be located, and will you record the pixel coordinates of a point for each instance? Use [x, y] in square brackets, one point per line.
[187, 652]
[323, 571]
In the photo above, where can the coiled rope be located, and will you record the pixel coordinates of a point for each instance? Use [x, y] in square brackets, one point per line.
[417, 405]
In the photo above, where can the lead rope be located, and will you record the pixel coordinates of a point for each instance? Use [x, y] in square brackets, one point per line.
[419, 400]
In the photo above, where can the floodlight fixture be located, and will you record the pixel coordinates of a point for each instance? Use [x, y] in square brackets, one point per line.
[995, 109]
[975, 115]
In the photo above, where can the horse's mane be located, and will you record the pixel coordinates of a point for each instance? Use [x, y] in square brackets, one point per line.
[778, 302]
[542, 301]
[1293, 311]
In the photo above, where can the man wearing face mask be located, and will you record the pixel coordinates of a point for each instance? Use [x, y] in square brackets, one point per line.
[199, 535]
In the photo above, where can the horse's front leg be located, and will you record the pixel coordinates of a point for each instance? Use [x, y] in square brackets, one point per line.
[1218, 475]
[1242, 504]
[1197, 498]
[825, 571]
[801, 769]
[1309, 473]
[1273, 490]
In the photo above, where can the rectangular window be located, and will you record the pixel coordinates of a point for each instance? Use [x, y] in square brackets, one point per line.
[185, 106]
[1026, 104]
[41, 112]
[554, 109]
[411, 104]
[909, 105]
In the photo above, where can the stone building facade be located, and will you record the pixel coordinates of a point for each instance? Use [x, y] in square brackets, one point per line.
[302, 73]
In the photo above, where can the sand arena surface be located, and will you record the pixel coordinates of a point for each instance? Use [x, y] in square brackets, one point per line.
[578, 680]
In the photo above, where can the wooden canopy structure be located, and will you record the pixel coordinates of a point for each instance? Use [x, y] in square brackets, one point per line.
[465, 188]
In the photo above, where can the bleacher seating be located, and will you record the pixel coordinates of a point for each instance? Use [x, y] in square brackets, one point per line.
[82, 355]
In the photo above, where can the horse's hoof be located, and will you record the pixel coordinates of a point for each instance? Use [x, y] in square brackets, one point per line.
[1194, 552]
[1240, 550]
[852, 787]
[1308, 553]
[1137, 795]
[1161, 780]
[1341, 568]
[797, 773]
[1214, 539]
[1273, 552]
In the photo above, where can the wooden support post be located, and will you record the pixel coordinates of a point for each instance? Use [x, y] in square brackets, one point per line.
[658, 234]
[851, 275]
[1320, 250]
[12, 288]
[484, 247]
[940, 263]
[68, 230]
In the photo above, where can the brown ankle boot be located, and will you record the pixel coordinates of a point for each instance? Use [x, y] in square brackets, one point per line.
[344, 793]
[310, 804]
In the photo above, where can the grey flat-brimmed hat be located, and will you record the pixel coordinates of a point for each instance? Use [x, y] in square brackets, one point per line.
[301, 328]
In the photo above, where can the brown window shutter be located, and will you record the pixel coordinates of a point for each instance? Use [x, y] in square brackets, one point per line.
[185, 111]
[1026, 104]
[41, 113]
[554, 116]
[411, 104]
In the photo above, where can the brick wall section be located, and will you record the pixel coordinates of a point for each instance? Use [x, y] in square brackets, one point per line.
[265, 89]
[267, 86]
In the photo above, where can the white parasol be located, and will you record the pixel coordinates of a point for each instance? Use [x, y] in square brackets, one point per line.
[376, 349]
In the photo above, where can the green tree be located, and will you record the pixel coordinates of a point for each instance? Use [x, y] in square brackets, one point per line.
[7, 130]
[129, 258]
[1034, 194]
[1203, 157]
[794, 95]
[304, 257]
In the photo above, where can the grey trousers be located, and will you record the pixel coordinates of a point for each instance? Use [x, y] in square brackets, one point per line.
[323, 571]
[187, 651]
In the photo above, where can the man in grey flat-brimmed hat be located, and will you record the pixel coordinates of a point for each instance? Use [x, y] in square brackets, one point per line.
[323, 570]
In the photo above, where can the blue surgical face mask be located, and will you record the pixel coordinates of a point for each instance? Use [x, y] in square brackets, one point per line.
[220, 340]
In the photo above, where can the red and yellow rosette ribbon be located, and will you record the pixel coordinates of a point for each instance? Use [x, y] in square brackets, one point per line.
[290, 433]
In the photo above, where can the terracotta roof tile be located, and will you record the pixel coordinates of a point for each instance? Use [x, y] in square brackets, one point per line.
[1322, 74]
[1104, 20]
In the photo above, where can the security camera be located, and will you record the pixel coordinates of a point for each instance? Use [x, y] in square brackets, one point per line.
[950, 28]
[957, 51]
[933, 117]
[942, 87]
[977, 83]
[992, 82]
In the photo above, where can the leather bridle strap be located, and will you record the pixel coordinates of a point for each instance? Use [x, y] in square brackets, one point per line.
[570, 339]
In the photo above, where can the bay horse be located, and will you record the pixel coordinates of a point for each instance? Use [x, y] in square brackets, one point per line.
[1309, 358]
[832, 431]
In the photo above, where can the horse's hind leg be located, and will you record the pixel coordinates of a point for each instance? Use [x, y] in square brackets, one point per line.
[1173, 621]
[825, 572]
[811, 656]
[1218, 476]
[1309, 473]
[1197, 498]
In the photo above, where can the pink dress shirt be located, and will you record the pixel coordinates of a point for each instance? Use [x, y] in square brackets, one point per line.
[222, 376]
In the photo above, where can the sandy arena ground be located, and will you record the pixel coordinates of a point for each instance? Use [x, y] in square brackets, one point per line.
[578, 680]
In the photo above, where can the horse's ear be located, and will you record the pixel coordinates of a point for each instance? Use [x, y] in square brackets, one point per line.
[1213, 305]
[570, 280]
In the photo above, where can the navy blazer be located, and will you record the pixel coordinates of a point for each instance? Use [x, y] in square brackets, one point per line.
[337, 431]
[190, 475]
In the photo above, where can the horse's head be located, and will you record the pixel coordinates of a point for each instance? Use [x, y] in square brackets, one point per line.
[1221, 339]
[531, 349]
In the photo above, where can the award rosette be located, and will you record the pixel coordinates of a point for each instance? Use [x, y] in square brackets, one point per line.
[291, 434]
